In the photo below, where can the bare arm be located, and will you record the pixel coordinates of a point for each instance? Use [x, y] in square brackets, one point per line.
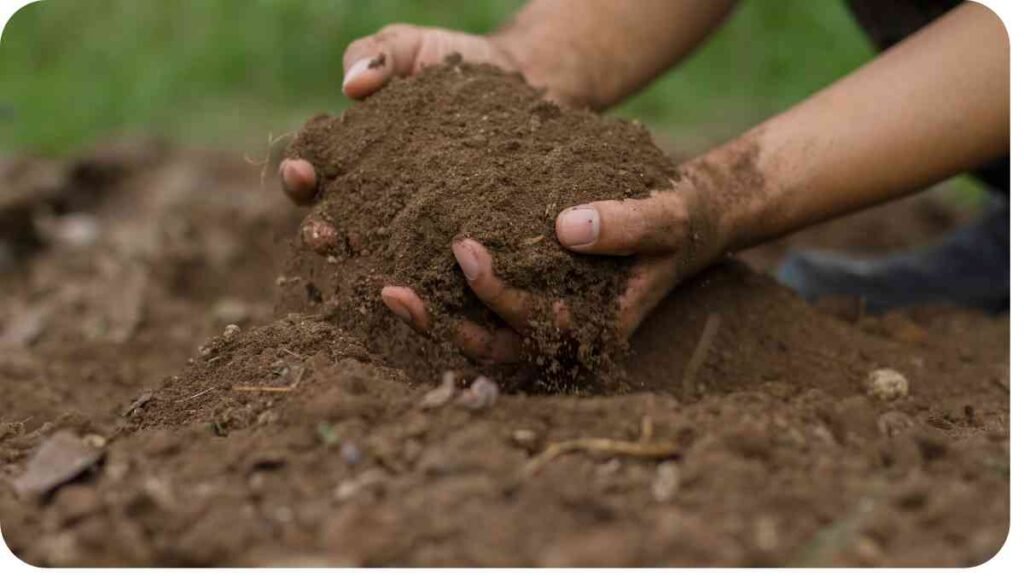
[931, 107]
[597, 52]
[936, 105]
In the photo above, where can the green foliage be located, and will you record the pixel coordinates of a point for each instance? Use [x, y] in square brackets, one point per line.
[228, 72]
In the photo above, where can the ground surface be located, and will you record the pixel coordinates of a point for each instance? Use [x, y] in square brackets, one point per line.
[769, 453]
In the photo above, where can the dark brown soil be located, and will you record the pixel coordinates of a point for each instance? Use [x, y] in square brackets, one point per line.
[465, 150]
[289, 441]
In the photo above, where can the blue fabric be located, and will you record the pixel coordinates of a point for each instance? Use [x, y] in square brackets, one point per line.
[969, 267]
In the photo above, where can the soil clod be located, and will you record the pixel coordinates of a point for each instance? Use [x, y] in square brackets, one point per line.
[449, 154]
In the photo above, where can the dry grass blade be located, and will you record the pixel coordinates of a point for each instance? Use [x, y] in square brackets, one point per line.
[271, 141]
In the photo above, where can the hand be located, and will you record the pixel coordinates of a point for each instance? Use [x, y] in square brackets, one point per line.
[396, 50]
[670, 232]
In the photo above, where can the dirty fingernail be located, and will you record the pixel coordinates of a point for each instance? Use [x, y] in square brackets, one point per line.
[358, 68]
[578, 226]
[467, 260]
[395, 305]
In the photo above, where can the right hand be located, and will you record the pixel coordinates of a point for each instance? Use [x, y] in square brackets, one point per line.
[396, 50]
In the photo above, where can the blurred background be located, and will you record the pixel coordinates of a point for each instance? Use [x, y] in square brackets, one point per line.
[226, 73]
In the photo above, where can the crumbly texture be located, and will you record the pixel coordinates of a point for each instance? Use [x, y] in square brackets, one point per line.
[465, 150]
[783, 459]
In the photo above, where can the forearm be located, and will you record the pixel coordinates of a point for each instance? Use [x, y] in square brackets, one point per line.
[933, 106]
[596, 52]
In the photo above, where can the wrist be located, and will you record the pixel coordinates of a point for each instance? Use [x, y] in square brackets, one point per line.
[553, 70]
[730, 193]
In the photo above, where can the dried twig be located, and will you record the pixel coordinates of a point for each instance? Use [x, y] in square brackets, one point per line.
[263, 389]
[700, 353]
[601, 446]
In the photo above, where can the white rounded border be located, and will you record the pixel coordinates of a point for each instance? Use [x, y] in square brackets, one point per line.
[1009, 11]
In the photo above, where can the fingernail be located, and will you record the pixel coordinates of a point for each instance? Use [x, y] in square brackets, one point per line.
[358, 68]
[578, 226]
[467, 260]
[396, 306]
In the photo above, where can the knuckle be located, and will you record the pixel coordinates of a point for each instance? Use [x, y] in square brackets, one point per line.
[668, 225]
[358, 49]
[391, 30]
[487, 288]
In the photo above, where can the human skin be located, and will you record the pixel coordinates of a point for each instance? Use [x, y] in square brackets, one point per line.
[931, 107]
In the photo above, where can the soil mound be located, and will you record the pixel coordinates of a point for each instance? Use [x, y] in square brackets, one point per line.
[464, 150]
[286, 441]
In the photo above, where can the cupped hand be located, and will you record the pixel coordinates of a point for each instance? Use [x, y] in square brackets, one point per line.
[669, 232]
[396, 50]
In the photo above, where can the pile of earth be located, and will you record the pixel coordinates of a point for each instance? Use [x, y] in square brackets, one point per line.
[465, 150]
[207, 422]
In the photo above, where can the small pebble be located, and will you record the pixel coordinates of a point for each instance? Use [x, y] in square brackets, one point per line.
[887, 385]
[350, 488]
[230, 331]
[482, 393]
[525, 438]
[442, 394]
[94, 440]
[351, 453]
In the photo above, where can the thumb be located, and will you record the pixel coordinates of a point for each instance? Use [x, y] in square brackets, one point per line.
[371, 61]
[622, 227]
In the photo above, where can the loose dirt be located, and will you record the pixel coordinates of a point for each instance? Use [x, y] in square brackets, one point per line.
[464, 150]
[243, 423]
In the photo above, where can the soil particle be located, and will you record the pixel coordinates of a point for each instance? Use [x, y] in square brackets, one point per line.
[887, 385]
[463, 150]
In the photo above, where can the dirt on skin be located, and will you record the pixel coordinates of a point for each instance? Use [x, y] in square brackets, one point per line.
[144, 323]
[465, 150]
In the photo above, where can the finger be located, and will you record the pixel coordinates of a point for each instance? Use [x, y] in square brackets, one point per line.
[371, 61]
[649, 226]
[651, 281]
[298, 179]
[408, 306]
[501, 346]
[514, 306]
[318, 235]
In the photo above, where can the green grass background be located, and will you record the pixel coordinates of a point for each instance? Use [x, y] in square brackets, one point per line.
[228, 72]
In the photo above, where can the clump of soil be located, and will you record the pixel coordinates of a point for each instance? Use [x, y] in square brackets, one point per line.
[465, 150]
